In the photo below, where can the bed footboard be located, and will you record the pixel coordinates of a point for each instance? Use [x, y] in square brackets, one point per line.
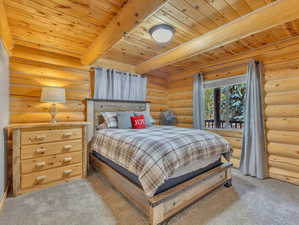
[163, 206]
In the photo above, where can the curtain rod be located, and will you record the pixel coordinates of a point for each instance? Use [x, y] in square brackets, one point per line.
[118, 71]
[98, 67]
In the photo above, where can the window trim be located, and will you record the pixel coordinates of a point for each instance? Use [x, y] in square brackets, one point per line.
[222, 83]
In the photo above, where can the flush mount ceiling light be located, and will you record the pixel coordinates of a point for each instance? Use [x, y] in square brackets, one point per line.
[162, 33]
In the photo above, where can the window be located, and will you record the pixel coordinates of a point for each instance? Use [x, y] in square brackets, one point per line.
[224, 103]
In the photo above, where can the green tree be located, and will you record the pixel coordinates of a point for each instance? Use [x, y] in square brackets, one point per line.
[233, 95]
[237, 101]
[209, 104]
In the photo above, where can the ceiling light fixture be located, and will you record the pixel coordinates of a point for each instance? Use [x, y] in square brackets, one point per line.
[162, 33]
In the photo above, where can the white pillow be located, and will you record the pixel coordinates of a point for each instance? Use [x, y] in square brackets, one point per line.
[110, 119]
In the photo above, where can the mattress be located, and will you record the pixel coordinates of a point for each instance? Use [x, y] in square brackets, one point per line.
[182, 175]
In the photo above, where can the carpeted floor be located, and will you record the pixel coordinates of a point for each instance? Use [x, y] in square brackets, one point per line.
[95, 202]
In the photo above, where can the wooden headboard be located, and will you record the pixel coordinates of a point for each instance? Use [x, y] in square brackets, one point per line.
[96, 106]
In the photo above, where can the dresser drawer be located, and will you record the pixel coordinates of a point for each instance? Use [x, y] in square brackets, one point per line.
[47, 154]
[38, 150]
[47, 176]
[42, 136]
[48, 162]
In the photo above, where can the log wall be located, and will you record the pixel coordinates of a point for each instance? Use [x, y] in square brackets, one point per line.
[31, 69]
[29, 74]
[282, 114]
[281, 90]
[157, 95]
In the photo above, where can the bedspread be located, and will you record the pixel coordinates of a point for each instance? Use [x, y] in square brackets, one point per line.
[154, 153]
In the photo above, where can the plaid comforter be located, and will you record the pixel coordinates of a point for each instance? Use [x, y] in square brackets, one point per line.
[153, 154]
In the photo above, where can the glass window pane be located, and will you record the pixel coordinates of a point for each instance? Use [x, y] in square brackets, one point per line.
[209, 107]
[237, 105]
[232, 102]
[224, 110]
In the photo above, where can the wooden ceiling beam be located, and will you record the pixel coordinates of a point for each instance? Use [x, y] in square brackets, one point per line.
[37, 55]
[5, 34]
[271, 15]
[133, 12]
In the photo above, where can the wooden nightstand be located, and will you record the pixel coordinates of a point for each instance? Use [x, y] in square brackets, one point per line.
[46, 154]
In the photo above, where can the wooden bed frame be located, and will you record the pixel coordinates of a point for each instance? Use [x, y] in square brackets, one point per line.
[162, 206]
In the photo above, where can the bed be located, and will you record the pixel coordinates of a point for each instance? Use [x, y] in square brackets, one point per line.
[161, 169]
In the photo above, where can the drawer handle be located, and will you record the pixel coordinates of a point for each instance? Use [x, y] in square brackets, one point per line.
[40, 164]
[67, 159]
[40, 178]
[41, 150]
[67, 172]
[40, 138]
[67, 147]
[67, 135]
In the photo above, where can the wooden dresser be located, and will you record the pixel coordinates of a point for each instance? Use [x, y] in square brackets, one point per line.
[46, 154]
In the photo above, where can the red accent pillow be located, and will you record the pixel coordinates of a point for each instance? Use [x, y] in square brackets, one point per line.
[138, 122]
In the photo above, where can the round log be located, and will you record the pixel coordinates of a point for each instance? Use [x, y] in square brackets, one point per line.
[285, 150]
[282, 111]
[282, 85]
[280, 174]
[282, 98]
[286, 137]
[284, 163]
[284, 124]
[237, 153]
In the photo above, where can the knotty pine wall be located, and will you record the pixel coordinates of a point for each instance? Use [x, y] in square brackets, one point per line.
[157, 95]
[281, 91]
[31, 69]
[29, 75]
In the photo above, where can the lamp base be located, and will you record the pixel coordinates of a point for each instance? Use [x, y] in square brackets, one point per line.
[53, 112]
[53, 121]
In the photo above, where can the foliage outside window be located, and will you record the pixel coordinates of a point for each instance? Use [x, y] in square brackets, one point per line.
[224, 106]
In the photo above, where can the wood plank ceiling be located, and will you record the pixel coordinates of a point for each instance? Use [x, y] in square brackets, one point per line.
[191, 18]
[70, 26]
[62, 26]
[273, 35]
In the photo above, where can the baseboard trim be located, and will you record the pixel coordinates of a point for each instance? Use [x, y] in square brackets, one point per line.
[4, 196]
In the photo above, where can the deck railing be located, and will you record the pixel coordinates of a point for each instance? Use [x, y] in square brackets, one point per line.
[232, 124]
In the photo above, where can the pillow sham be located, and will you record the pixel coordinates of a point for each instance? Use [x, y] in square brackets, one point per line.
[138, 122]
[102, 126]
[124, 120]
[149, 121]
[110, 119]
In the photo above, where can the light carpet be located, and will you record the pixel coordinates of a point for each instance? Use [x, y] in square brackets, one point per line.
[95, 202]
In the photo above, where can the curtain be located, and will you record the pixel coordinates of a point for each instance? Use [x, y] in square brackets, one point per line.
[116, 85]
[198, 101]
[253, 157]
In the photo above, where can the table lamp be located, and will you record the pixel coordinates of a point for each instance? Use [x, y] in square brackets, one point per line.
[53, 95]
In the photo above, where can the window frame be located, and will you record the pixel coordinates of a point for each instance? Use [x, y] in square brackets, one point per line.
[218, 84]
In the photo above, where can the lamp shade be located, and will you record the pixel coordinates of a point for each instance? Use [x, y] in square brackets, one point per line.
[53, 94]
